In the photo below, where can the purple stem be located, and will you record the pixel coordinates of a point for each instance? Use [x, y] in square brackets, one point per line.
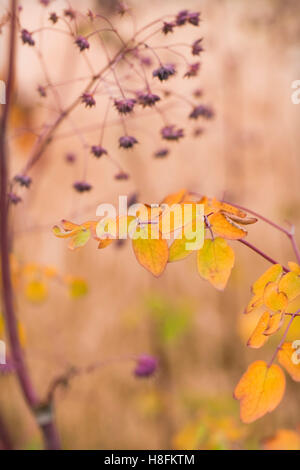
[282, 339]
[261, 253]
[30, 396]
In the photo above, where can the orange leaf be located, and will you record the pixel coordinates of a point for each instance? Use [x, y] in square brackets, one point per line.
[271, 275]
[294, 267]
[175, 198]
[290, 360]
[224, 227]
[290, 285]
[260, 390]
[275, 323]
[223, 206]
[258, 339]
[284, 439]
[215, 262]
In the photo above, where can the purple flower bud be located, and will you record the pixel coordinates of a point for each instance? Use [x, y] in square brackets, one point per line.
[168, 27]
[127, 141]
[146, 366]
[186, 16]
[98, 151]
[125, 105]
[88, 100]
[42, 91]
[192, 70]
[23, 180]
[82, 43]
[70, 158]
[147, 61]
[45, 2]
[198, 93]
[27, 38]
[164, 72]
[194, 18]
[82, 186]
[198, 131]
[53, 17]
[162, 153]
[201, 110]
[197, 47]
[14, 198]
[70, 13]
[171, 133]
[147, 99]
[122, 176]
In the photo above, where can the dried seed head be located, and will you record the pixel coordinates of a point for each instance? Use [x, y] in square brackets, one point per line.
[14, 198]
[88, 100]
[70, 13]
[168, 27]
[70, 158]
[82, 186]
[42, 91]
[164, 72]
[82, 43]
[192, 70]
[98, 151]
[23, 180]
[171, 133]
[147, 99]
[125, 105]
[204, 111]
[27, 38]
[146, 366]
[53, 17]
[127, 141]
[185, 16]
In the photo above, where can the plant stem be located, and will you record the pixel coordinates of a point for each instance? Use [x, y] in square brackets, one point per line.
[261, 253]
[282, 339]
[30, 396]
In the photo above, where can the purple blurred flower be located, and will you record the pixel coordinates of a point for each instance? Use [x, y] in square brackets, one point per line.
[98, 151]
[162, 153]
[125, 105]
[82, 43]
[197, 47]
[82, 186]
[14, 198]
[88, 100]
[198, 131]
[53, 17]
[192, 70]
[70, 13]
[23, 180]
[122, 176]
[27, 38]
[146, 366]
[122, 7]
[45, 2]
[147, 99]
[42, 91]
[168, 27]
[70, 158]
[171, 133]
[204, 111]
[127, 141]
[185, 16]
[164, 72]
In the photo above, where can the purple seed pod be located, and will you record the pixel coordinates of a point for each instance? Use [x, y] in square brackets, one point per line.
[127, 141]
[88, 100]
[70, 158]
[82, 43]
[162, 153]
[171, 133]
[42, 91]
[185, 16]
[53, 17]
[125, 105]
[82, 186]
[164, 72]
[27, 38]
[23, 180]
[197, 47]
[192, 70]
[147, 99]
[122, 176]
[194, 18]
[168, 27]
[98, 151]
[70, 13]
[145, 367]
[14, 198]
[204, 111]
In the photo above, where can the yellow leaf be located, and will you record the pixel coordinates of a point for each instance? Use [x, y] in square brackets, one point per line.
[78, 287]
[290, 360]
[289, 284]
[36, 291]
[284, 439]
[215, 262]
[151, 253]
[294, 267]
[258, 339]
[79, 239]
[226, 228]
[273, 299]
[275, 323]
[260, 390]
[271, 275]
[178, 249]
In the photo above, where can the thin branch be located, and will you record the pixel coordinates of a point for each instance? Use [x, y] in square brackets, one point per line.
[261, 253]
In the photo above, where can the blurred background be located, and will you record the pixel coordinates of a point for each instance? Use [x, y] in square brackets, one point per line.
[79, 307]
